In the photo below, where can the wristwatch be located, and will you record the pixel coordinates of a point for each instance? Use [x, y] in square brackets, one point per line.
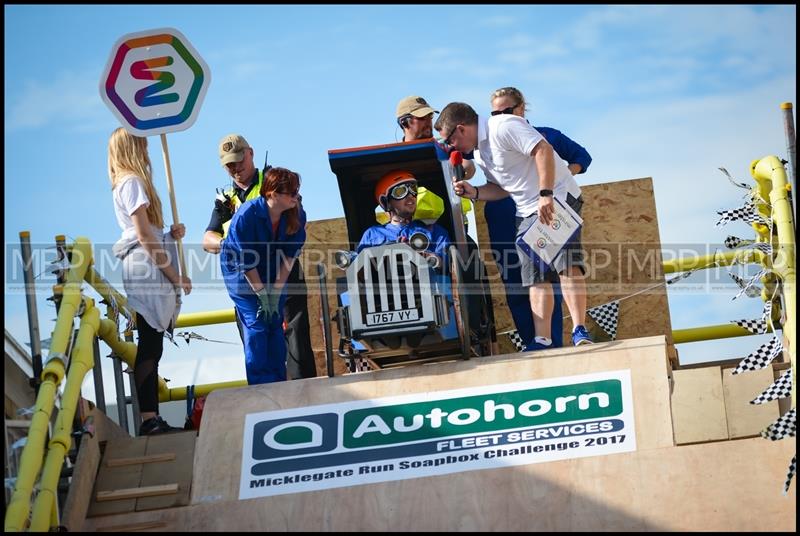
[545, 193]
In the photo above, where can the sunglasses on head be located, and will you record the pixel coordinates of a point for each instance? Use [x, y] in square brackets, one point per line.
[509, 110]
[401, 191]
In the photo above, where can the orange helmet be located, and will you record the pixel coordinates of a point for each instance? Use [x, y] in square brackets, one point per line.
[388, 181]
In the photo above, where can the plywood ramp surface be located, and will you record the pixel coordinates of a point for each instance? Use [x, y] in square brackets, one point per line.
[725, 486]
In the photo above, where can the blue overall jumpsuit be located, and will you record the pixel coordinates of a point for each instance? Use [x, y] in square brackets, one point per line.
[251, 243]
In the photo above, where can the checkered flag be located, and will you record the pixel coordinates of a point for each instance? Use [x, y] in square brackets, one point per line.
[606, 316]
[756, 327]
[764, 247]
[781, 388]
[516, 340]
[748, 288]
[737, 184]
[733, 242]
[790, 474]
[358, 364]
[678, 277]
[767, 314]
[785, 426]
[747, 213]
[761, 357]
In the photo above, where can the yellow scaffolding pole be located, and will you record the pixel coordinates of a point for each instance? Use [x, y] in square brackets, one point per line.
[770, 168]
[125, 350]
[54, 370]
[205, 318]
[180, 393]
[45, 506]
[709, 333]
[721, 258]
[109, 293]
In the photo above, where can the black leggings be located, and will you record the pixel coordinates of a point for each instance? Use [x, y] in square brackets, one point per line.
[145, 371]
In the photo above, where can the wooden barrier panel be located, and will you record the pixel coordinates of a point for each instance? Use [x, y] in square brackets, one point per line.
[323, 238]
[226, 410]
[623, 254]
[698, 406]
[746, 419]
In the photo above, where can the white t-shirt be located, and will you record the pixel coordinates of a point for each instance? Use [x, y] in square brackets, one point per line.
[505, 143]
[129, 195]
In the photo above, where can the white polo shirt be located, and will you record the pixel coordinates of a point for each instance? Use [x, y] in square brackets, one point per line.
[505, 143]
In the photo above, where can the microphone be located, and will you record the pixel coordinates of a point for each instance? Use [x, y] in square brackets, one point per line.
[456, 160]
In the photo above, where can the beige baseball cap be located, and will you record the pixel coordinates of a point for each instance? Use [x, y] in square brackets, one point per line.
[414, 105]
[231, 148]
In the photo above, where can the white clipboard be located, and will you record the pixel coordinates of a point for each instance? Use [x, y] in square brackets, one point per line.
[543, 243]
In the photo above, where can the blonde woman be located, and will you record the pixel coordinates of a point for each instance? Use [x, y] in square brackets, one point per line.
[149, 265]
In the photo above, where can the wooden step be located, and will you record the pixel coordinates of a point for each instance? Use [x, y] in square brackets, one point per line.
[144, 473]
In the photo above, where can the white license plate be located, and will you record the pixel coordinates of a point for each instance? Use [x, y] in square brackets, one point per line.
[375, 319]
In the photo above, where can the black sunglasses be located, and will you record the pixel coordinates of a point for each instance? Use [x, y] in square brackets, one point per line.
[509, 110]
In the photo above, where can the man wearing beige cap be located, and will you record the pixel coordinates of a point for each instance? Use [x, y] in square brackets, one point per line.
[236, 156]
[415, 117]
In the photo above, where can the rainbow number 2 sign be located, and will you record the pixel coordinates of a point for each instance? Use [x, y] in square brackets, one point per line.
[154, 82]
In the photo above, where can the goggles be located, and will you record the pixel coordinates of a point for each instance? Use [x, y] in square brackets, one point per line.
[401, 191]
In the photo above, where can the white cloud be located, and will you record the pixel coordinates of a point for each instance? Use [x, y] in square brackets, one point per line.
[72, 100]
[612, 48]
[653, 140]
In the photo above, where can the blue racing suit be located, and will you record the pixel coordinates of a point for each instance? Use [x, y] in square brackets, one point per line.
[377, 235]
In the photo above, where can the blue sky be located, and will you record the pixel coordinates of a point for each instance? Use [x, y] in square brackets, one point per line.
[666, 92]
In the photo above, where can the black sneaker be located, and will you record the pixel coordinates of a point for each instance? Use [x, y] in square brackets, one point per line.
[156, 425]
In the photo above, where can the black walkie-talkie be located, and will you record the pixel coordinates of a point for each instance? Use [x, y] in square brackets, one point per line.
[267, 167]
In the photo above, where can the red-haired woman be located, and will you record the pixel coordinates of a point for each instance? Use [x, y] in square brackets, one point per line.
[264, 239]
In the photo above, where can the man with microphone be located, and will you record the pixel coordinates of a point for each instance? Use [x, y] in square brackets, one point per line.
[519, 162]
